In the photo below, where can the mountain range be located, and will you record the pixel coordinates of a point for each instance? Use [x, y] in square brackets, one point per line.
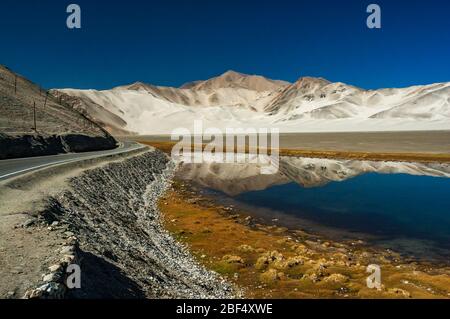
[238, 100]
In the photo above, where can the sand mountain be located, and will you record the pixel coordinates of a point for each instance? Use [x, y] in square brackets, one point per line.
[230, 89]
[312, 98]
[111, 122]
[237, 100]
[235, 80]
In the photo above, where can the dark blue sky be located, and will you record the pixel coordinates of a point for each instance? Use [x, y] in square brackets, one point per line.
[171, 42]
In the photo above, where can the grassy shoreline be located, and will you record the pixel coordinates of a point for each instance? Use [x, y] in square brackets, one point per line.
[353, 155]
[268, 261]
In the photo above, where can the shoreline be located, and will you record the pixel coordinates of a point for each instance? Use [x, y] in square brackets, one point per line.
[269, 261]
[325, 154]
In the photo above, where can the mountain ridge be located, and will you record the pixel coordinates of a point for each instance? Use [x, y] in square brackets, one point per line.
[236, 80]
[234, 99]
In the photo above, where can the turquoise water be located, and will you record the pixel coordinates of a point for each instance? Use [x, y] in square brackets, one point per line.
[410, 214]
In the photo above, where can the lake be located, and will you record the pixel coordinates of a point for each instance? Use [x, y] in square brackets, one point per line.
[401, 206]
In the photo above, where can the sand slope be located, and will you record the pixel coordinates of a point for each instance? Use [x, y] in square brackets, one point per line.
[308, 105]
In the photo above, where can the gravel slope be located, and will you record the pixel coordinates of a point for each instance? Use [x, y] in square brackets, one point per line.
[125, 251]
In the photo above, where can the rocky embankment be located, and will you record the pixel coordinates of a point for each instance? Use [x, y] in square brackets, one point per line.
[112, 229]
[38, 145]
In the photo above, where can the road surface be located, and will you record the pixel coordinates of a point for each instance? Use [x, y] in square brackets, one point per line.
[16, 167]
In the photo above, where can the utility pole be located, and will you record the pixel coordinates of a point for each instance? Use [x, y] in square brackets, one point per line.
[15, 83]
[34, 116]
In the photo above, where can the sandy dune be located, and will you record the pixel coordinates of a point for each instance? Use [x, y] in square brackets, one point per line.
[235, 100]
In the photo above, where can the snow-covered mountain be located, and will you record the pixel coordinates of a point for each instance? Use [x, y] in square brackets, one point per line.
[238, 100]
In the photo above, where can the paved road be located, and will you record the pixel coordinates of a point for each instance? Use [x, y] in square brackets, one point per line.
[15, 167]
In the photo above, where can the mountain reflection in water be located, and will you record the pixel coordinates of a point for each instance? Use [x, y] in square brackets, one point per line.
[403, 206]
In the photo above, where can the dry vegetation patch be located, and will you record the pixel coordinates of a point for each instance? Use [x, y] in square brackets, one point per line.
[273, 262]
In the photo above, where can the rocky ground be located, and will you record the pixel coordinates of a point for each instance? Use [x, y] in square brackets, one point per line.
[41, 145]
[106, 220]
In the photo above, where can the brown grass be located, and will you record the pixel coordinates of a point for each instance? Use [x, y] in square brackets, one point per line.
[368, 156]
[212, 233]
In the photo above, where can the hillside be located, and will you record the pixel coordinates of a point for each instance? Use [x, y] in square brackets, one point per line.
[308, 105]
[33, 122]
